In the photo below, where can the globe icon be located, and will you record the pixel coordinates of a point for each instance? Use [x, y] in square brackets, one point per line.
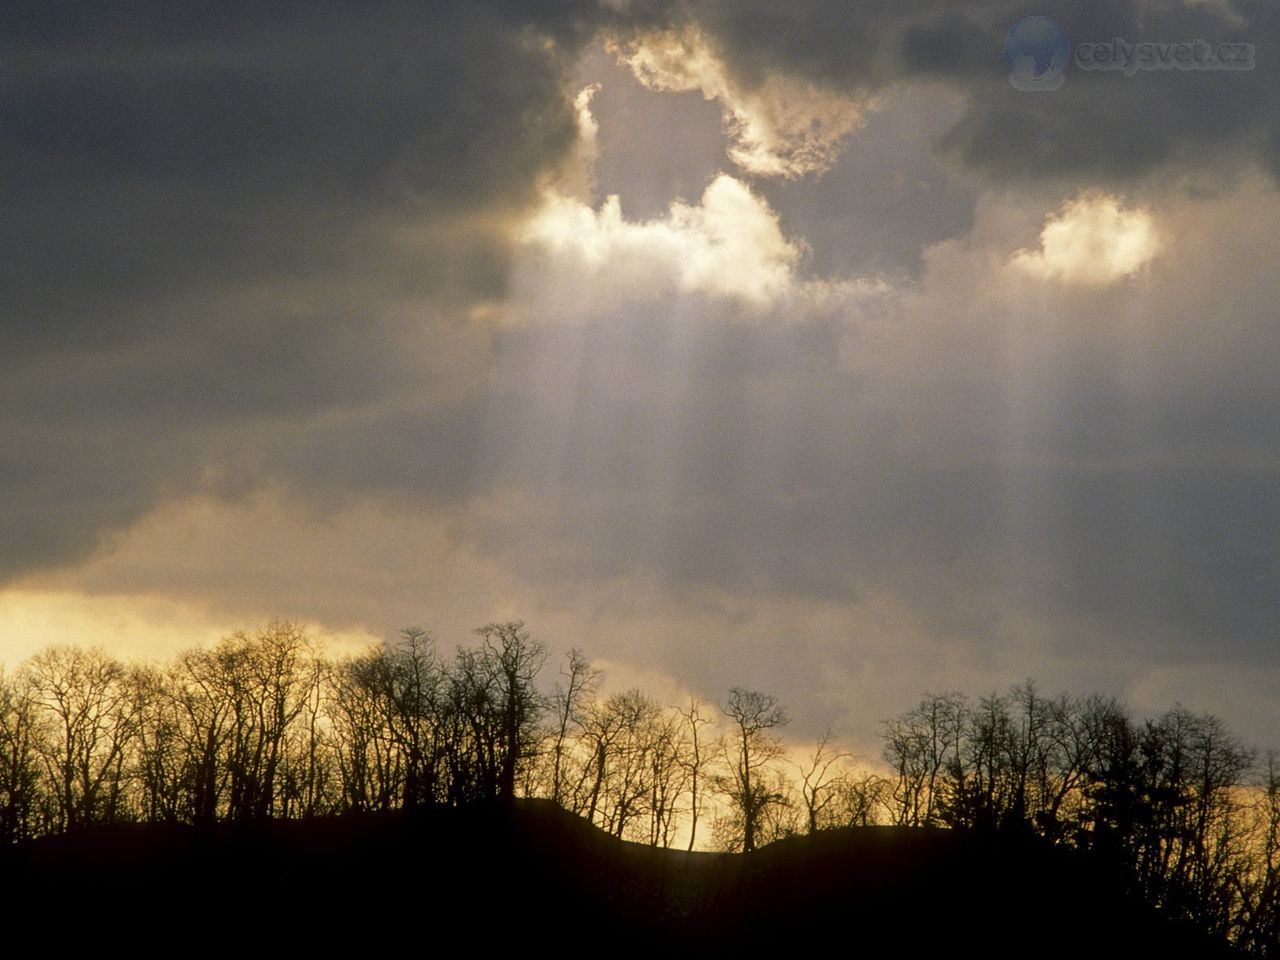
[1037, 52]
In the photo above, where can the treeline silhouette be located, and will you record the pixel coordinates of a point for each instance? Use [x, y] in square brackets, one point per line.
[264, 727]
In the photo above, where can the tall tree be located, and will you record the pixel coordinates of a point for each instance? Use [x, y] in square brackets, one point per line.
[696, 759]
[515, 659]
[269, 680]
[569, 702]
[924, 750]
[90, 701]
[20, 773]
[751, 751]
[823, 775]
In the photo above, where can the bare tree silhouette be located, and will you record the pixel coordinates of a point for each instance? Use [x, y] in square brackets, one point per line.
[751, 751]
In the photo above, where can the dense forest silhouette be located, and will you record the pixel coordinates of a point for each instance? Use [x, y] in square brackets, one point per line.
[1166, 827]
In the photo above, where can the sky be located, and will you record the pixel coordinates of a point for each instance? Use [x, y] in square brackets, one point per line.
[785, 346]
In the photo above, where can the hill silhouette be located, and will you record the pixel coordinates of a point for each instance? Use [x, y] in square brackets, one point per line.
[507, 877]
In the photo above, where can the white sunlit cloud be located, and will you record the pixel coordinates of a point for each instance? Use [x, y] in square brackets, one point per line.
[1092, 241]
[784, 127]
[728, 245]
[580, 261]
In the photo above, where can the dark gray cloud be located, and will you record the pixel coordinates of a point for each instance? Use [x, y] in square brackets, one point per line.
[794, 485]
[253, 248]
[147, 153]
[216, 215]
[221, 217]
[1092, 466]
[888, 199]
[1103, 125]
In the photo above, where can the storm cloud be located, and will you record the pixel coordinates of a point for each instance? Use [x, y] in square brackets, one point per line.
[788, 345]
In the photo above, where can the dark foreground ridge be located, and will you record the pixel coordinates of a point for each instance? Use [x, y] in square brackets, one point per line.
[514, 877]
